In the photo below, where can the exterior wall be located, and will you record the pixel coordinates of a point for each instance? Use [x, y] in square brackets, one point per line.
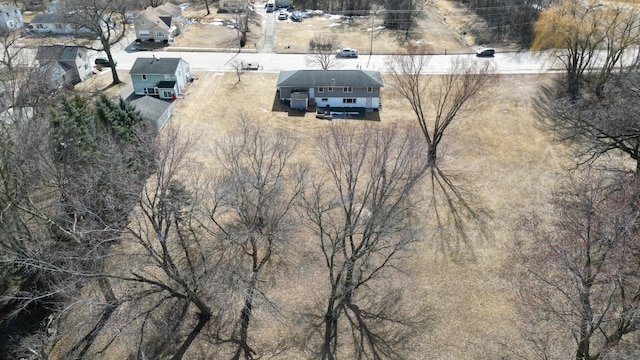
[231, 5]
[10, 19]
[146, 29]
[58, 29]
[164, 118]
[181, 77]
[335, 97]
[140, 84]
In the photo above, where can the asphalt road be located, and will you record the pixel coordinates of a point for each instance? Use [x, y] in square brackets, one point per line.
[505, 63]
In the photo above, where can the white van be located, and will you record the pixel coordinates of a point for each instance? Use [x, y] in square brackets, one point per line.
[271, 6]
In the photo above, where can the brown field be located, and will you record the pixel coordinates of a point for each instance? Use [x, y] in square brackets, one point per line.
[440, 29]
[508, 162]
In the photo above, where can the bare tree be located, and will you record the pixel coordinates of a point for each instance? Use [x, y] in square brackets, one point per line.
[104, 20]
[243, 19]
[593, 125]
[178, 262]
[238, 67]
[581, 274]
[323, 50]
[252, 212]
[581, 33]
[361, 211]
[438, 102]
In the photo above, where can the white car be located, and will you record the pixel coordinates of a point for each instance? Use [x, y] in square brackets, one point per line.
[347, 53]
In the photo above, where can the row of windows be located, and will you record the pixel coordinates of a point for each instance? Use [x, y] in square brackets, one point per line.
[344, 101]
[346, 89]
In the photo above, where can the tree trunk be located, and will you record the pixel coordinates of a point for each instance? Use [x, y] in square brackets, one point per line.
[330, 330]
[245, 318]
[432, 155]
[204, 318]
[112, 305]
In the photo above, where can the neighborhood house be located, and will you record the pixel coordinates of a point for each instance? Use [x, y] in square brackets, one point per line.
[159, 24]
[335, 90]
[73, 59]
[10, 18]
[66, 24]
[162, 77]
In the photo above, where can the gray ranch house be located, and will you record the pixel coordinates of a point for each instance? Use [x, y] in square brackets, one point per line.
[331, 89]
[161, 77]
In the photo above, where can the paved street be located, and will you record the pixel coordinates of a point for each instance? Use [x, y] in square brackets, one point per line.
[507, 63]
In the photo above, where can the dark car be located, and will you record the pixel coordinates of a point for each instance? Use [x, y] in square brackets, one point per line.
[486, 52]
[105, 62]
[297, 16]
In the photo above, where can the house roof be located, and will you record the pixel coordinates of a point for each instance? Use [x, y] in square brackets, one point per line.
[155, 65]
[169, 9]
[166, 84]
[8, 8]
[57, 52]
[48, 18]
[153, 16]
[310, 78]
[150, 107]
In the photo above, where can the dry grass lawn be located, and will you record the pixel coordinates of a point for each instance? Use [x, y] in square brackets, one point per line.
[508, 162]
[440, 29]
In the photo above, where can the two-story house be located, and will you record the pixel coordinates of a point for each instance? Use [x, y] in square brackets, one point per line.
[356, 89]
[160, 24]
[74, 59]
[10, 18]
[162, 77]
[151, 26]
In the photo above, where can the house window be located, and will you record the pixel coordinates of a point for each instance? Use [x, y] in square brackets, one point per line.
[348, 101]
[159, 34]
[58, 26]
[330, 89]
[320, 89]
[369, 89]
[141, 22]
[347, 89]
[144, 77]
[167, 94]
[325, 99]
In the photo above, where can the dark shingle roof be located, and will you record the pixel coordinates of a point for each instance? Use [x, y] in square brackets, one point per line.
[150, 107]
[155, 65]
[57, 52]
[308, 78]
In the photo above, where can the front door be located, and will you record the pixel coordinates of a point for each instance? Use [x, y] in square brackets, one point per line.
[368, 103]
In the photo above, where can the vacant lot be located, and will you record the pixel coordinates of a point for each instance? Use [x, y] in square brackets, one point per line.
[440, 28]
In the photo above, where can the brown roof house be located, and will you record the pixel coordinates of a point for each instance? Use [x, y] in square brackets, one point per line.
[160, 24]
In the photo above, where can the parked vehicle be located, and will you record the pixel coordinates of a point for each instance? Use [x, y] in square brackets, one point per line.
[271, 6]
[283, 16]
[297, 16]
[105, 62]
[486, 52]
[347, 53]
